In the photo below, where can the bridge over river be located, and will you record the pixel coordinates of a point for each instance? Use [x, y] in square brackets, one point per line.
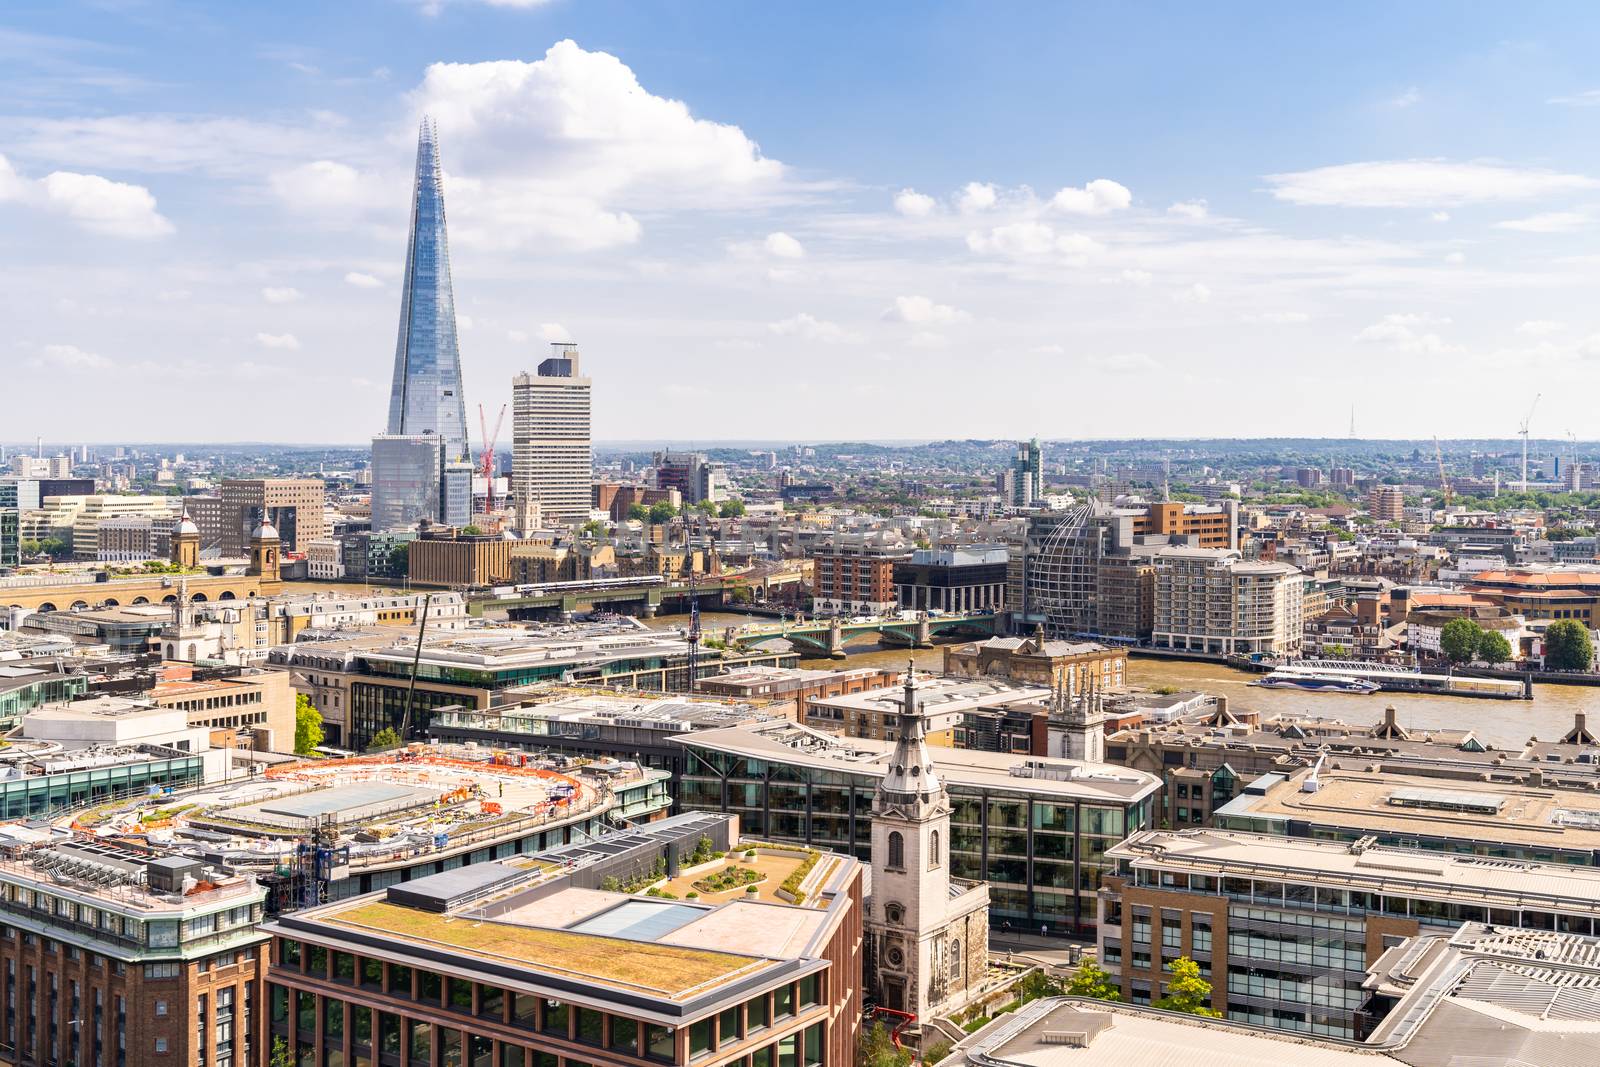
[829, 637]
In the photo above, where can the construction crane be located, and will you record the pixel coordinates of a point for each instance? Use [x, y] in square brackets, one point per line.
[1444, 482]
[486, 459]
[1524, 432]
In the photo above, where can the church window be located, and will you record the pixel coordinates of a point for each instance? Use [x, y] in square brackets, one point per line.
[894, 913]
[897, 850]
[933, 850]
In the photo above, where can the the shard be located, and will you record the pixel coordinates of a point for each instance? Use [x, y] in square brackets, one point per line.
[426, 397]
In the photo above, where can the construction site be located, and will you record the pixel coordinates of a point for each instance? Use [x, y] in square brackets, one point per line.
[319, 830]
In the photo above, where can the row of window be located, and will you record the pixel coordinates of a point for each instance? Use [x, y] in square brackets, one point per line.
[540, 1014]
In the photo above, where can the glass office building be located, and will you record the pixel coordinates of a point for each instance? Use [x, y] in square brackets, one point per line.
[407, 479]
[426, 396]
[1037, 829]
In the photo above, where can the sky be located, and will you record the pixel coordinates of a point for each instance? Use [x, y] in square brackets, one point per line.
[820, 221]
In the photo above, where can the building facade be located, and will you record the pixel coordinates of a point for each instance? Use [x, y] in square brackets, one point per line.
[958, 579]
[855, 573]
[293, 506]
[551, 451]
[1216, 602]
[407, 480]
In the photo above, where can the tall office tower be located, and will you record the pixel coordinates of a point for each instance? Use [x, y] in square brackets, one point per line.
[550, 456]
[427, 433]
[426, 396]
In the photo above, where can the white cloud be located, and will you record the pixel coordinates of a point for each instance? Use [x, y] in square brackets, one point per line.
[1407, 333]
[283, 295]
[283, 341]
[567, 147]
[1134, 277]
[1420, 183]
[99, 205]
[1455, 257]
[1439, 216]
[1541, 327]
[808, 327]
[1549, 222]
[362, 281]
[70, 357]
[328, 186]
[555, 333]
[977, 196]
[913, 204]
[517, 336]
[783, 246]
[1198, 293]
[1048, 350]
[1127, 363]
[1587, 98]
[1100, 197]
[463, 322]
[1277, 318]
[919, 311]
[1032, 240]
[1189, 209]
[1408, 98]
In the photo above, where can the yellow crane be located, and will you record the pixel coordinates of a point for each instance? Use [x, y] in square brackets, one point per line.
[1444, 482]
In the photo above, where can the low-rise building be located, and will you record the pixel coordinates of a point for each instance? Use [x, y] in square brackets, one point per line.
[947, 702]
[1073, 666]
[855, 572]
[505, 964]
[794, 685]
[111, 956]
[952, 579]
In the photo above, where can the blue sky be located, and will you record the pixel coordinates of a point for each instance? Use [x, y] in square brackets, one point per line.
[811, 221]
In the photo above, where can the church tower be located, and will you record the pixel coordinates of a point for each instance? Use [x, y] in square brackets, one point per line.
[264, 545]
[923, 938]
[186, 543]
[1082, 721]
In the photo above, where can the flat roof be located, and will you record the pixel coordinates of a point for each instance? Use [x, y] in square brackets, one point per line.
[1548, 816]
[1431, 875]
[349, 801]
[1069, 1032]
[961, 768]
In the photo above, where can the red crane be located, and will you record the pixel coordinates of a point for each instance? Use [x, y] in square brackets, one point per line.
[486, 459]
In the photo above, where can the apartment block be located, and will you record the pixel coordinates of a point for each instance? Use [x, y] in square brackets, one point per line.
[1214, 601]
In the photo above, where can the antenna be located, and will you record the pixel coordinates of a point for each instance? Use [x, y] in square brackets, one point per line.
[1352, 422]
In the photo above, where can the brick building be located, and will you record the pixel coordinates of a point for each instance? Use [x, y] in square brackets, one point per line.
[855, 573]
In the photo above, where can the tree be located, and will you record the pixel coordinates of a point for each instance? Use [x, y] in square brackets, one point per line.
[471, 530]
[731, 509]
[1187, 991]
[383, 740]
[592, 528]
[1459, 640]
[307, 725]
[936, 1052]
[1493, 647]
[1093, 981]
[1567, 646]
[638, 513]
[281, 1056]
[661, 511]
[875, 1048]
[707, 508]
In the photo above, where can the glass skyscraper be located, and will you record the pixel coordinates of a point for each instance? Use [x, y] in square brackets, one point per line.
[416, 465]
[426, 396]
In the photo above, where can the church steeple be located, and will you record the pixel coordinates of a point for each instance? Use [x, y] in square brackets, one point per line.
[911, 781]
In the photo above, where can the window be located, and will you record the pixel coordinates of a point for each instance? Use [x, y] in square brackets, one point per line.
[728, 1027]
[161, 1008]
[700, 1038]
[624, 1036]
[161, 1044]
[897, 850]
[555, 1018]
[933, 850]
[756, 1015]
[783, 1001]
[810, 985]
[659, 1043]
[591, 1026]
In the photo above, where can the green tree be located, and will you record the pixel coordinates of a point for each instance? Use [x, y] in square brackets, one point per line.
[638, 513]
[875, 1048]
[1459, 640]
[731, 509]
[307, 725]
[384, 740]
[661, 511]
[1493, 647]
[1567, 646]
[707, 508]
[30, 547]
[936, 1052]
[281, 1056]
[1187, 991]
[1092, 980]
[471, 530]
[593, 528]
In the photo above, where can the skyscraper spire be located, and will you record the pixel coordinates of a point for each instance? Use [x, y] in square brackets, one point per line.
[427, 397]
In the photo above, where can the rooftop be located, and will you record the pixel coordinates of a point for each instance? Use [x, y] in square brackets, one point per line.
[1381, 801]
[1067, 1032]
[1038, 775]
[940, 694]
[1426, 875]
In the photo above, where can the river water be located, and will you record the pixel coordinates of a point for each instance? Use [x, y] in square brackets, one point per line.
[1501, 723]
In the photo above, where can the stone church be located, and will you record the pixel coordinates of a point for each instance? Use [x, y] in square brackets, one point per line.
[928, 933]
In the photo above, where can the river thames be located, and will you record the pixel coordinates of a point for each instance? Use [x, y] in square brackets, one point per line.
[1501, 723]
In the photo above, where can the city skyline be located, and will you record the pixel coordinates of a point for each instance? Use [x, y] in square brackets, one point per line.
[1257, 227]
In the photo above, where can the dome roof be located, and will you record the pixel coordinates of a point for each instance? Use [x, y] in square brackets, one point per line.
[186, 527]
[265, 532]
